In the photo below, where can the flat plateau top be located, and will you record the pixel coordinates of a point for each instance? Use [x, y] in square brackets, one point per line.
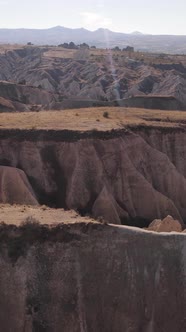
[86, 119]
[22, 214]
[18, 214]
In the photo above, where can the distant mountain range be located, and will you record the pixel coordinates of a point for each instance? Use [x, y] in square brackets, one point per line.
[100, 38]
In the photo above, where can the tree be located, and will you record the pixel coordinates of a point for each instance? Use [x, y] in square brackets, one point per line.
[64, 45]
[84, 45]
[129, 49]
[72, 46]
[116, 48]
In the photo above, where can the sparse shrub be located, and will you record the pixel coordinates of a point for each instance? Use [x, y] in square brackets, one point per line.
[98, 120]
[102, 220]
[22, 238]
[94, 130]
[77, 114]
[30, 222]
[106, 115]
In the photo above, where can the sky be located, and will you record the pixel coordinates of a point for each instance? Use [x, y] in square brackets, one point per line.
[154, 17]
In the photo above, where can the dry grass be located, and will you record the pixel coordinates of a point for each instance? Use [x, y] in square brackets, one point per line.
[17, 214]
[60, 53]
[8, 47]
[99, 55]
[91, 54]
[92, 118]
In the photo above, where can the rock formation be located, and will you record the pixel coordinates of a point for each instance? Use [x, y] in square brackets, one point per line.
[6, 105]
[19, 97]
[15, 188]
[91, 277]
[129, 177]
[168, 224]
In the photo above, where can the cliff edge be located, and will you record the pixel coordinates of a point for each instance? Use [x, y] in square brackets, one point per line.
[91, 277]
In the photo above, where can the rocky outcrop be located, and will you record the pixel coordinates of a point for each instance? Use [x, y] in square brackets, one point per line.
[6, 105]
[168, 224]
[91, 277]
[19, 97]
[152, 102]
[105, 206]
[124, 178]
[15, 188]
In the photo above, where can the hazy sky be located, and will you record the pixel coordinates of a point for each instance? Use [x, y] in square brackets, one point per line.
[156, 17]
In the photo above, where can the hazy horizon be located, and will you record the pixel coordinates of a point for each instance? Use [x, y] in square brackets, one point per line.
[160, 18]
[81, 27]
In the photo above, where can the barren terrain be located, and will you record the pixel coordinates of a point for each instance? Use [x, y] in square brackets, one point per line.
[88, 119]
[43, 78]
[126, 167]
[74, 178]
[24, 214]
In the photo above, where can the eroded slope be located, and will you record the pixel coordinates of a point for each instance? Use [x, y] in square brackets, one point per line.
[91, 277]
[78, 78]
[15, 187]
[132, 175]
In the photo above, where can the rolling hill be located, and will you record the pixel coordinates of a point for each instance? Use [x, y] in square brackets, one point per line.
[100, 38]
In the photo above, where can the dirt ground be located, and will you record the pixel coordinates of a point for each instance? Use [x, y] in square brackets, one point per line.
[102, 119]
[18, 214]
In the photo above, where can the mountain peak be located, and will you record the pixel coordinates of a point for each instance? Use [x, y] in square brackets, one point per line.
[59, 28]
[136, 33]
[102, 30]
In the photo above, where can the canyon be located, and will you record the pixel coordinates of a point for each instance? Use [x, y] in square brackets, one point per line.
[35, 78]
[130, 170]
[92, 191]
